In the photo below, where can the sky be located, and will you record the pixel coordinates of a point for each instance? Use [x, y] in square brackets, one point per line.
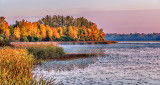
[114, 16]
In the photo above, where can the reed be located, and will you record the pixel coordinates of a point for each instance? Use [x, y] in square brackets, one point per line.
[15, 66]
[46, 51]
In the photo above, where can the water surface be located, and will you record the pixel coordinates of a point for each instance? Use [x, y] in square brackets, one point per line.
[122, 64]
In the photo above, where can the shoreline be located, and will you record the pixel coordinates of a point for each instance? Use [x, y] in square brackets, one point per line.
[87, 42]
[66, 56]
[17, 44]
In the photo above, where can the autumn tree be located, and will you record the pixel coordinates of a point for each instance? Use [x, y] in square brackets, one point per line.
[60, 31]
[55, 33]
[43, 31]
[49, 32]
[72, 31]
[17, 33]
[4, 30]
[51, 29]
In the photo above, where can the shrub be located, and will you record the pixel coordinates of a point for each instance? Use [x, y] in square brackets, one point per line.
[59, 51]
[46, 52]
[24, 39]
[4, 42]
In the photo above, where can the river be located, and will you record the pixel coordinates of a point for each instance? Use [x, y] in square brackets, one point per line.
[124, 63]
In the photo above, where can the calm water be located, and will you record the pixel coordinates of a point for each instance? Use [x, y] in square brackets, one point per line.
[122, 64]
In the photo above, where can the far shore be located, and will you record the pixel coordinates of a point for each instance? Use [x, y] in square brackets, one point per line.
[17, 44]
[138, 41]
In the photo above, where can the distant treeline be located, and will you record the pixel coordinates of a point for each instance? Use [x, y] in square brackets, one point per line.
[56, 28]
[133, 37]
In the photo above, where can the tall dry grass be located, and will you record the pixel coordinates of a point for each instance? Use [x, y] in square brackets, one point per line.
[46, 51]
[15, 66]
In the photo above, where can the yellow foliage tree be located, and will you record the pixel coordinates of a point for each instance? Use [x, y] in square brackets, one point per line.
[43, 31]
[94, 32]
[73, 31]
[7, 33]
[17, 33]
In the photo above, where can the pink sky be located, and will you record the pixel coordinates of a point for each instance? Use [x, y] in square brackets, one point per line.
[114, 16]
[141, 21]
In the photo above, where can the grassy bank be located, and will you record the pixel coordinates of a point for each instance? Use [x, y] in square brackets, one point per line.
[16, 66]
[26, 44]
[16, 63]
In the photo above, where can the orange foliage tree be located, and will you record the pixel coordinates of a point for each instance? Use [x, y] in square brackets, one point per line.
[43, 31]
[24, 30]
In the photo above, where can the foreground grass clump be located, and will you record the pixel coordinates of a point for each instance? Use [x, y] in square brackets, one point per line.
[46, 52]
[15, 66]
